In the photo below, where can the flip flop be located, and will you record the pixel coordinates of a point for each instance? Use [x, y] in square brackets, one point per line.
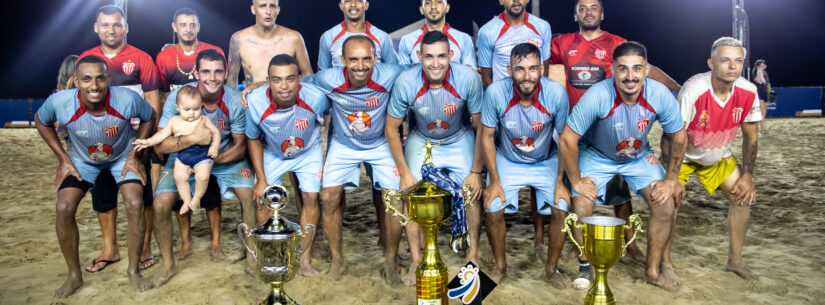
[147, 263]
[96, 261]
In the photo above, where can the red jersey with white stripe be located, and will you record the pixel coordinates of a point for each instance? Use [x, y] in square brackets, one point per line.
[586, 62]
[712, 123]
[176, 68]
[131, 68]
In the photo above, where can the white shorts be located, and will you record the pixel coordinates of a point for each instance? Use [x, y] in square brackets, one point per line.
[307, 167]
[342, 166]
[456, 157]
[514, 176]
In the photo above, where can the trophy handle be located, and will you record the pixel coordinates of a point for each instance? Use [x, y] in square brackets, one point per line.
[389, 197]
[570, 223]
[244, 233]
[635, 222]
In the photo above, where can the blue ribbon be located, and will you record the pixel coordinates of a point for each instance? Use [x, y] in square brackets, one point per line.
[441, 178]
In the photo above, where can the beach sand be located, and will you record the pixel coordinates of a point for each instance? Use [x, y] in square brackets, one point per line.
[786, 243]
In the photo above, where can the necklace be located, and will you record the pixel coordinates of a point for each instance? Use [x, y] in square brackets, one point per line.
[191, 74]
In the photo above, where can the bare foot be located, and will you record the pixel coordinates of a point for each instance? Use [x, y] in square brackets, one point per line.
[741, 270]
[71, 285]
[140, 283]
[166, 275]
[540, 251]
[216, 255]
[557, 279]
[663, 282]
[337, 269]
[498, 275]
[184, 252]
[668, 271]
[307, 270]
[409, 279]
[390, 275]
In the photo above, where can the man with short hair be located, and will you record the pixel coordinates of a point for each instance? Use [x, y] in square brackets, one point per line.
[221, 105]
[284, 122]
[253, 47]
[613, 120]
[355, 23]
[498, 37]
[443, 100]
[98, 122]
[435, 19]
[359, 93]
[714, 105]
[134, 69]
[176, 63]
[526, 112]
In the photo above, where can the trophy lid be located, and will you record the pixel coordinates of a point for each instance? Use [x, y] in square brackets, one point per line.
[426, 189]
[274, 229]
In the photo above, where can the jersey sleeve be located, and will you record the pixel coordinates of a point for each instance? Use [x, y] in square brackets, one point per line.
[169, 110]
[237, 116]
[163, 81]
[562, 112]
[401, 97]
[47, 114]
[468, 55]
[485, 46]
[547, 38]
[405, 52]
[141, 108]
[148, 74]
[489, 110]
[585, 113]
[388, 50]
[755, 115]
[475, 93]
[669, 116]
[686, 103]
[555, 51]
[324, 56]
[252, 130]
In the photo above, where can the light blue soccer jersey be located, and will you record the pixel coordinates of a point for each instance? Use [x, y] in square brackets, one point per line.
[288, 132]
[229, 117]
[439, 114]
[358, 114]
[525, 133]
[617, 130]
[460, 43]
[332, 45]
[497, 38]
[97, 139]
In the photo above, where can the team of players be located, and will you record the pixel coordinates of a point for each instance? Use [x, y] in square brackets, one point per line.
[506, 119]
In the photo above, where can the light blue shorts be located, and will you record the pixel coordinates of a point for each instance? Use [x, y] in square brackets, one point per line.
[638, 174]
[343, 166]
[229, 176]
[456, 157]
[307, 167]
[90, 171]
[514, 176]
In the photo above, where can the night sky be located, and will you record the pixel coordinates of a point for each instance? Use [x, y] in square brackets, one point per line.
[678, 33]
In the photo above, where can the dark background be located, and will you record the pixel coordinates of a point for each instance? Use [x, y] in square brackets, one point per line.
[678, 33]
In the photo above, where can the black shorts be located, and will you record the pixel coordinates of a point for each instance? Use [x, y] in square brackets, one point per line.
[72, 181]
[617, 192]
[104, 194]
[211, 199]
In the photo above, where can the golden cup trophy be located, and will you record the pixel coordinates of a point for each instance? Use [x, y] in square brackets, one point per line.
[276, 244]
[603, 239]
[428, 205]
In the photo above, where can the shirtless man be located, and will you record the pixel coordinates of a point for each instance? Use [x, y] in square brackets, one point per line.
[254, 46]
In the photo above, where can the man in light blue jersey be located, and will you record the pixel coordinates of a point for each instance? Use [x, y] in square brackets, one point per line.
[613, 120]
[498, 37]
[283, 124]
[231, 170]
[443, 100]
[98, 121]
[355, 23]
[359, 93]
[435, 19]
[521, 118]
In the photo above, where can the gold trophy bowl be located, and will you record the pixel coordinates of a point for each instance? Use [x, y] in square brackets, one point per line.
[275, 244]
[603, 245]
[428, 205]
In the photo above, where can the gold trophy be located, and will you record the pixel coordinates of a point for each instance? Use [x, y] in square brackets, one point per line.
[603, 239]
[428, 205]
[276, 244]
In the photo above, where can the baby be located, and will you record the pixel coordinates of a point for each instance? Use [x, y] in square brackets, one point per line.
[198, 157]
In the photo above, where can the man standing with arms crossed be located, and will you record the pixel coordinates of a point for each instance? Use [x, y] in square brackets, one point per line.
[355, 23]
[714, 105]
[134, 69]
[613, 119]
[176, 63]
[442, 98]
[98, 122]
[359, 93]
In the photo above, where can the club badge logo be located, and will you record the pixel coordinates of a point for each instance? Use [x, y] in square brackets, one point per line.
[450, 109]
[292, 146]
[302, 124]
[128, 67]
[111, 131]
[359, 122]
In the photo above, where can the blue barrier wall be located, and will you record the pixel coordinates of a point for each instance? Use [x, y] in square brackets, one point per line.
[789, 100]
[18, 109]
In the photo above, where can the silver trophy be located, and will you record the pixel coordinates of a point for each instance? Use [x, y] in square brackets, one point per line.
[276, 246]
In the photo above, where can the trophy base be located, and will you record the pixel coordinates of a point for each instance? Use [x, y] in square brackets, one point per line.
[278, 297]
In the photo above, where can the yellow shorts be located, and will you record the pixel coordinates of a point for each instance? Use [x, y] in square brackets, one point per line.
[711, 177]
